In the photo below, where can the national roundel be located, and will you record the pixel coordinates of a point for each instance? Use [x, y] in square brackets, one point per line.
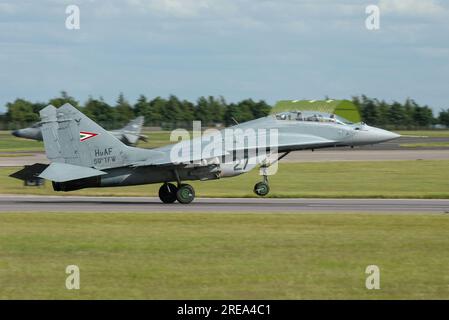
[84, 135]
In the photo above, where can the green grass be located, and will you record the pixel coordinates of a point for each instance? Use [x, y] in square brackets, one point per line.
[10, 143]
[364, 179]
[155, 139]
[15, 155]
[223, 256]
[426, 145]
[426, 133]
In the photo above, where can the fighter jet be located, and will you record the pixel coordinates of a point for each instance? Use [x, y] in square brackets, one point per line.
[84, 155]
[129, 135]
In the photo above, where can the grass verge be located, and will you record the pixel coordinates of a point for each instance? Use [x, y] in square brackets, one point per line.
[375, 179]
[223, 256]
[425, 145]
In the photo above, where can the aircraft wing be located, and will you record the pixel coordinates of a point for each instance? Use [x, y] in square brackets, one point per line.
[166, 159]
[296, 141]
[289, 142]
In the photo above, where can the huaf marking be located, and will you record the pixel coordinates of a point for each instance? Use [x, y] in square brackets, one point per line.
[84, 135]
[104, 156]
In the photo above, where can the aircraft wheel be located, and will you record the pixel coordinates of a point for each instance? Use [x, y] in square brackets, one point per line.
[261, 189]
[167, 193]
[185, 194]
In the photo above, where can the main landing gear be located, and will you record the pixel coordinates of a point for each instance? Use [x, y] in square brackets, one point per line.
[169, 193]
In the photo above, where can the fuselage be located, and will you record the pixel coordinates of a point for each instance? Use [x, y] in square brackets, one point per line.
[292, 134]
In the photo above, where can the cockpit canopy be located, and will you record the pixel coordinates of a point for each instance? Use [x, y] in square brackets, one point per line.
[312, 116]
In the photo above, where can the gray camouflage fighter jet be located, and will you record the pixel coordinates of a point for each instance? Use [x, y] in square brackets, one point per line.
[129, 134]
[84, 155]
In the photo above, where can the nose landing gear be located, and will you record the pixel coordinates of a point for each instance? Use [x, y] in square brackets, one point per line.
[261, 188]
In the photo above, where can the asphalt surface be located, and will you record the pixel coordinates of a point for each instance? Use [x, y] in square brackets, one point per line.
[299, 156]
[17, 203]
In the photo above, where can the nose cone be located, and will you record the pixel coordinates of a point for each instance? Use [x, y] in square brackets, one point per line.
[372, 135]
[27, 133]
[381, 135]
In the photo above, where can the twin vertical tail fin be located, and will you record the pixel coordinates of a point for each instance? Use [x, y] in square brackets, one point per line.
[72, 138]
[80, 149]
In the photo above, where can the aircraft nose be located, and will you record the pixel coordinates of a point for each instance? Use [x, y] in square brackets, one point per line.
[371, 135]
[384, 135]
[16, 133]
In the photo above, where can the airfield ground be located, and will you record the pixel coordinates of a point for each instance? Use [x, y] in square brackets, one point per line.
[223, 256]
[358, 179]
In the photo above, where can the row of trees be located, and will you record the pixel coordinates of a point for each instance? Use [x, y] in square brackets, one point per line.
[407, 115]
[172, 112]
[168, 113]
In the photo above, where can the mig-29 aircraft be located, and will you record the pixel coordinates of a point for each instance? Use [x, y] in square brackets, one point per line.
[129, 134]
[84, 155]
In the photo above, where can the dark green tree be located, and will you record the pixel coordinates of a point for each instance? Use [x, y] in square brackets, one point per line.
[444, 117]
[101, 112]
[20, 112]
[63, 99]
[123, 110]
[369, 111]
[396, 115]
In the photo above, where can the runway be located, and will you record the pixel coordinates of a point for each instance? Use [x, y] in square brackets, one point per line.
[325, 155]
[17, 203]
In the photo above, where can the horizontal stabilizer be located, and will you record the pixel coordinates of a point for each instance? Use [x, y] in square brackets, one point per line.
[143, 137]
[62, 172]
[29, 172]
[131, 138]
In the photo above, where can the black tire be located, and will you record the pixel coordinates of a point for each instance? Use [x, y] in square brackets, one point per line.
[261, 189]
[185, 194]
[167, 193]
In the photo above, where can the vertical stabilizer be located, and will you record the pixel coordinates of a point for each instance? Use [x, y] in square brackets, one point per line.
[50, 134]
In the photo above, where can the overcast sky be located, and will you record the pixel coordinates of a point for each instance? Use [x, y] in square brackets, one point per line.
[262, 49]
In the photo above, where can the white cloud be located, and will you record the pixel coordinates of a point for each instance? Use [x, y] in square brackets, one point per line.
[412, 7]
[177, 8]
[7, 8]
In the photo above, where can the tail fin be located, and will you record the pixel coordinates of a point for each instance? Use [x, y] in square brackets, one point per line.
[71, 137]
[134, 126]
[131, 132]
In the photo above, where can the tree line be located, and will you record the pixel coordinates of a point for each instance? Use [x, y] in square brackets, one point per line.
[172, 112]
[396, 115]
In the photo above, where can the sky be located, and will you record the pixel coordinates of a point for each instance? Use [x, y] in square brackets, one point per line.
[260, 49]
